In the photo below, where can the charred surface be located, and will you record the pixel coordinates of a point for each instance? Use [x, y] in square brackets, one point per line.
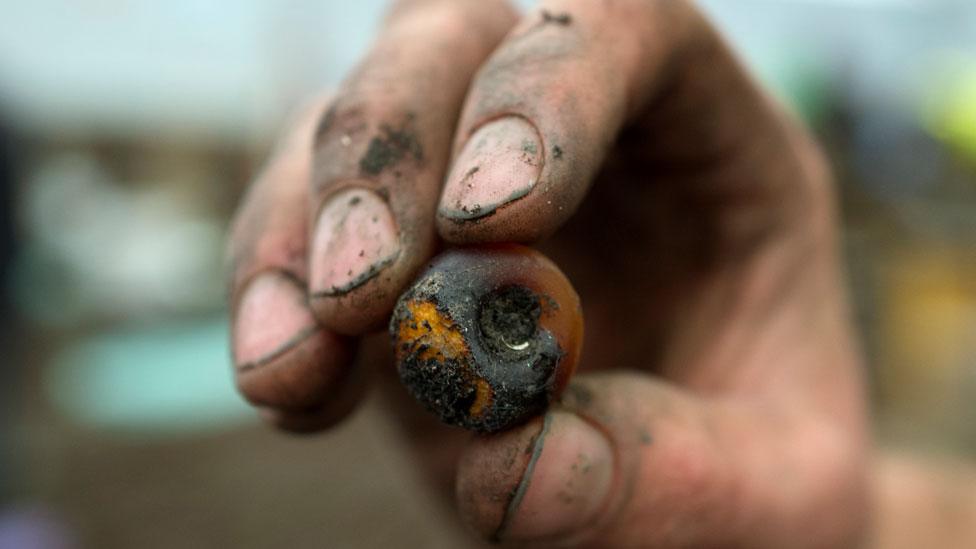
[471, 350]
[509, 319]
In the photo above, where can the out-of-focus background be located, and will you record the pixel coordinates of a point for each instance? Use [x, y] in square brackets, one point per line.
[127, 132]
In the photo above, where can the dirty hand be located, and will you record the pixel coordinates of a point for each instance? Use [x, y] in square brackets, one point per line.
[720, 403]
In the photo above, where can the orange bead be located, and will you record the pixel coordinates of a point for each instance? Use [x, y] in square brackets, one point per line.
[488, 336]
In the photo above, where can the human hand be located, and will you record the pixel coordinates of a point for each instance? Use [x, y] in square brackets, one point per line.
[721, 400]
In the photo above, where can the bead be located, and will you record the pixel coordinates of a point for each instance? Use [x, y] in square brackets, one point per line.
[487, 337]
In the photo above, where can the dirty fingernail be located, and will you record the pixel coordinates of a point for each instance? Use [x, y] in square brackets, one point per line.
[500, 163]
[355, 239]
[566, 487]
[272, 317]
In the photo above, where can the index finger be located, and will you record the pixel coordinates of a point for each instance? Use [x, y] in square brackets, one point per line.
[546, 108]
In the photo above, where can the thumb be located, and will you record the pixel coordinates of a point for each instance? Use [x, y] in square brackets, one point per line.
[629, 461]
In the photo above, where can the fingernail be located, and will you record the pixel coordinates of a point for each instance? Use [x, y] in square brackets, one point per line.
[566, 484]
[500, 163]
[272, 317]
[355, 239]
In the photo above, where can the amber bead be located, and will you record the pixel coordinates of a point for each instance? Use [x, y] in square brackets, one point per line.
[488, 337]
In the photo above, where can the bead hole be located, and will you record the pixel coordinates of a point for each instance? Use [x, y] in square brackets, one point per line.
[509, 319]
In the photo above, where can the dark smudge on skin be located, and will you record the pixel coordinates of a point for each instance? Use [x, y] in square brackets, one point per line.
[392, 145]
[562, 19]
[645, 437]
[325, 123]
[578, 396]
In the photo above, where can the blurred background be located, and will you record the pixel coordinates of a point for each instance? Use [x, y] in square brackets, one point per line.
[128, 130]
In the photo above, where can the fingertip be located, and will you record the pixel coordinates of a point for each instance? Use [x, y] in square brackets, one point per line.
[567, 489]
[271, 317]
[327, 401]
[506, 185]
[301, 375]
[357, 261]
[554, 489]
[489, 473]
[354, 240]
[499, 165]
[307, 422]
[282, 357]
[303, 402]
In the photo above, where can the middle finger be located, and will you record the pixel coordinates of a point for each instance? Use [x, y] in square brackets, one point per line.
[381, 154]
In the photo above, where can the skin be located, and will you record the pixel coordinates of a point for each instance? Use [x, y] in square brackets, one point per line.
[922, 502]
[721, 400]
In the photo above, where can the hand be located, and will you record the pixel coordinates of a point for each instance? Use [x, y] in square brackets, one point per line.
[721, 403]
